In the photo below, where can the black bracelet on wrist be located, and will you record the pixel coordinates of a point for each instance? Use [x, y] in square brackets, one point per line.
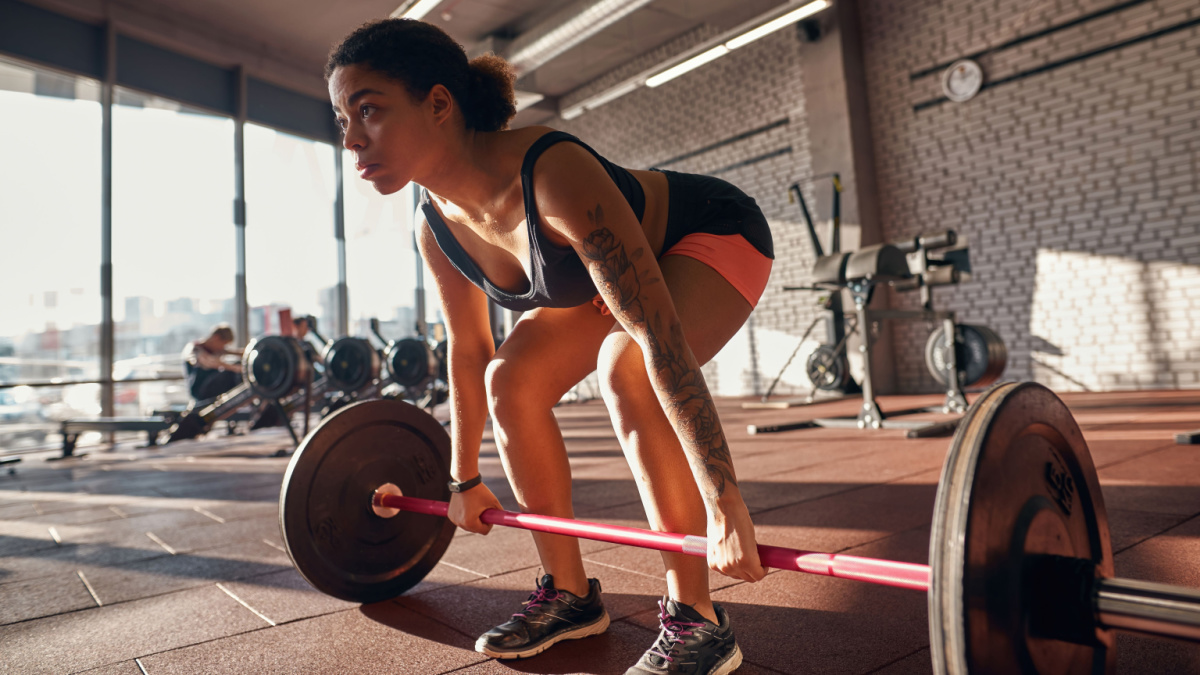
[465, 485]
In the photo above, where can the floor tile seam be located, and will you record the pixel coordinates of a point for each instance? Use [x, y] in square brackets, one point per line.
[101, 499]
[883, 538]
[213, 523]
[472, 664]
[856, 488]
[167, 554]
[1140, 415]
[624, 569]
[36, 549]
[172, 649]
[799, 467]
[600, 512]
[223, 544]
[167, 493]
[434, 619]
[897, 660]
[1167, 445]
[1181, 523]
[469, 581]
[116, 603]
[143, 476]
[134, 518]
[156, 555]
[90, 522]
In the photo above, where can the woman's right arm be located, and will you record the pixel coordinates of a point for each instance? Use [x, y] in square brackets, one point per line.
[470, 348]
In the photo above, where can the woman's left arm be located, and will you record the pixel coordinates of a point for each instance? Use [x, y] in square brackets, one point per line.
[576, 198]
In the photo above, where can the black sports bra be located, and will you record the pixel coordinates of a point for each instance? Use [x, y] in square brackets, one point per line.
[559, 276]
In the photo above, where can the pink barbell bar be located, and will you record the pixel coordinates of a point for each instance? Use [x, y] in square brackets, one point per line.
[872, 570]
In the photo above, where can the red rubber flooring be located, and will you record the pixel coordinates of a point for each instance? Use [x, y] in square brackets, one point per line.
[169, 560]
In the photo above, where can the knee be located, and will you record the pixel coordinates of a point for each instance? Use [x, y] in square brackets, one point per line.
[620, 368]
[513, 389]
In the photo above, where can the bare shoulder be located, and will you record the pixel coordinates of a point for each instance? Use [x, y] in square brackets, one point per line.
[567, 174]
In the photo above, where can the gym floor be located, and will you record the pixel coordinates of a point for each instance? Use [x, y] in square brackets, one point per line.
[169, 560]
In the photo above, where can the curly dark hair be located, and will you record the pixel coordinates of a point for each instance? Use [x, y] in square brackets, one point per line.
[420, 55]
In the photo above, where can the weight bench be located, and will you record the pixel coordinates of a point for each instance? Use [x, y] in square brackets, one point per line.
[71, 429]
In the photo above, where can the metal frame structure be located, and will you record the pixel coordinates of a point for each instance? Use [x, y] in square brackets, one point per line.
[51, 40]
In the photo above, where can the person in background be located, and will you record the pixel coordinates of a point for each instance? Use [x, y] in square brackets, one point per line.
[210, 372]
[301, 325]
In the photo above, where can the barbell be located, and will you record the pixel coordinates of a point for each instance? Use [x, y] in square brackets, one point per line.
[1020, 578]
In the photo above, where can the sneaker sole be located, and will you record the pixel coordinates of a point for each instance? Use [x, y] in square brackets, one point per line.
[730, 664]
[595, 628]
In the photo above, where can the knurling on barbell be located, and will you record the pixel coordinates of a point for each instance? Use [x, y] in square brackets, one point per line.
[1020, 575]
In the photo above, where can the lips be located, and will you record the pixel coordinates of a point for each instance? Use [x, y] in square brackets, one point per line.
[365, 170]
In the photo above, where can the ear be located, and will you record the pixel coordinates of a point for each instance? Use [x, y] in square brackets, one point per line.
[441, 102]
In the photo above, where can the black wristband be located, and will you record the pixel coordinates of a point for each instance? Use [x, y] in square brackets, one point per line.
[465, 485]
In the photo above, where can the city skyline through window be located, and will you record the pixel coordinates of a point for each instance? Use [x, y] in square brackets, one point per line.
[174, 240]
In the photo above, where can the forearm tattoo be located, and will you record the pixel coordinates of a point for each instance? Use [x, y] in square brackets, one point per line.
[678, 380]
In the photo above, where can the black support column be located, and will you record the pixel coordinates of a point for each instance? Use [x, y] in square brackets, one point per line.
[107, 329]
[242, 307]
[835, 96]
[342, 319]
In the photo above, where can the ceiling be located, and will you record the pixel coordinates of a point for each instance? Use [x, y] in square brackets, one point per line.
[301, 32]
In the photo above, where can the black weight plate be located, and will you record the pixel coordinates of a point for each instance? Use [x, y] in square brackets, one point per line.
[274, 366]
[827, 369]
[330, 531]
[351, 363]
[981, 355]
[410, 361]
[1018, 483]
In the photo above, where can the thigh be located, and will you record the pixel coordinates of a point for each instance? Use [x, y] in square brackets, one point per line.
[710, 309]
[554, 348]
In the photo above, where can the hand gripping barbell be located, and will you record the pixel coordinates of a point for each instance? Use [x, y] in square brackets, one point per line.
[1020, 574]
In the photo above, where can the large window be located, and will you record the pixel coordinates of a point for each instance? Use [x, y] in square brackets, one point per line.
[381, 261]
[291, 251]
[50, 128]
[173, 241]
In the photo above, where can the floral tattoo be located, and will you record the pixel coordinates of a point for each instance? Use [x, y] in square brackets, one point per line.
[687, 400]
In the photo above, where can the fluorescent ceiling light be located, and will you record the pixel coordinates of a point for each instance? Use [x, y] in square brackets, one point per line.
[527, 98]
[616, 92]
[600, 99]
[772, 26]
[709, 51]
[691, 64]
[415, 10]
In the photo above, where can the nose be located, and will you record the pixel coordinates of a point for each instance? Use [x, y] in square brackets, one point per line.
[353, 138]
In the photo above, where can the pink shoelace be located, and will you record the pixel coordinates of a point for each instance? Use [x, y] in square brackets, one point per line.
[675, 630]
[537, 598]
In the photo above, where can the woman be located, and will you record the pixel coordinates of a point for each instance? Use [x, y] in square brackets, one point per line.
[642, 275]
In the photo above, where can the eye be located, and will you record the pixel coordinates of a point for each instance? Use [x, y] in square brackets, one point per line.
[341, 123]
[365, 110]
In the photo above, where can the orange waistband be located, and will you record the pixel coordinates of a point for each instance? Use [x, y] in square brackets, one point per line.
[732, 257]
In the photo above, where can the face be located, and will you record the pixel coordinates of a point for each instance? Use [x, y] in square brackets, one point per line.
[383, 126]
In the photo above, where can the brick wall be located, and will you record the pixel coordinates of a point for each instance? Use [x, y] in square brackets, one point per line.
[755, 87]
[1076, 186]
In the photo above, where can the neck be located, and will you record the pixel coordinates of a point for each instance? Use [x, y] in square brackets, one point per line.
[467, 175]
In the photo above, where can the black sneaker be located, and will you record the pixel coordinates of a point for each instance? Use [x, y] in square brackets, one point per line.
[689, 643]
[550, 616]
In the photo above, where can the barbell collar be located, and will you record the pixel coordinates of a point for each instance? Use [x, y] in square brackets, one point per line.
[1148, 607]
[871, 570]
